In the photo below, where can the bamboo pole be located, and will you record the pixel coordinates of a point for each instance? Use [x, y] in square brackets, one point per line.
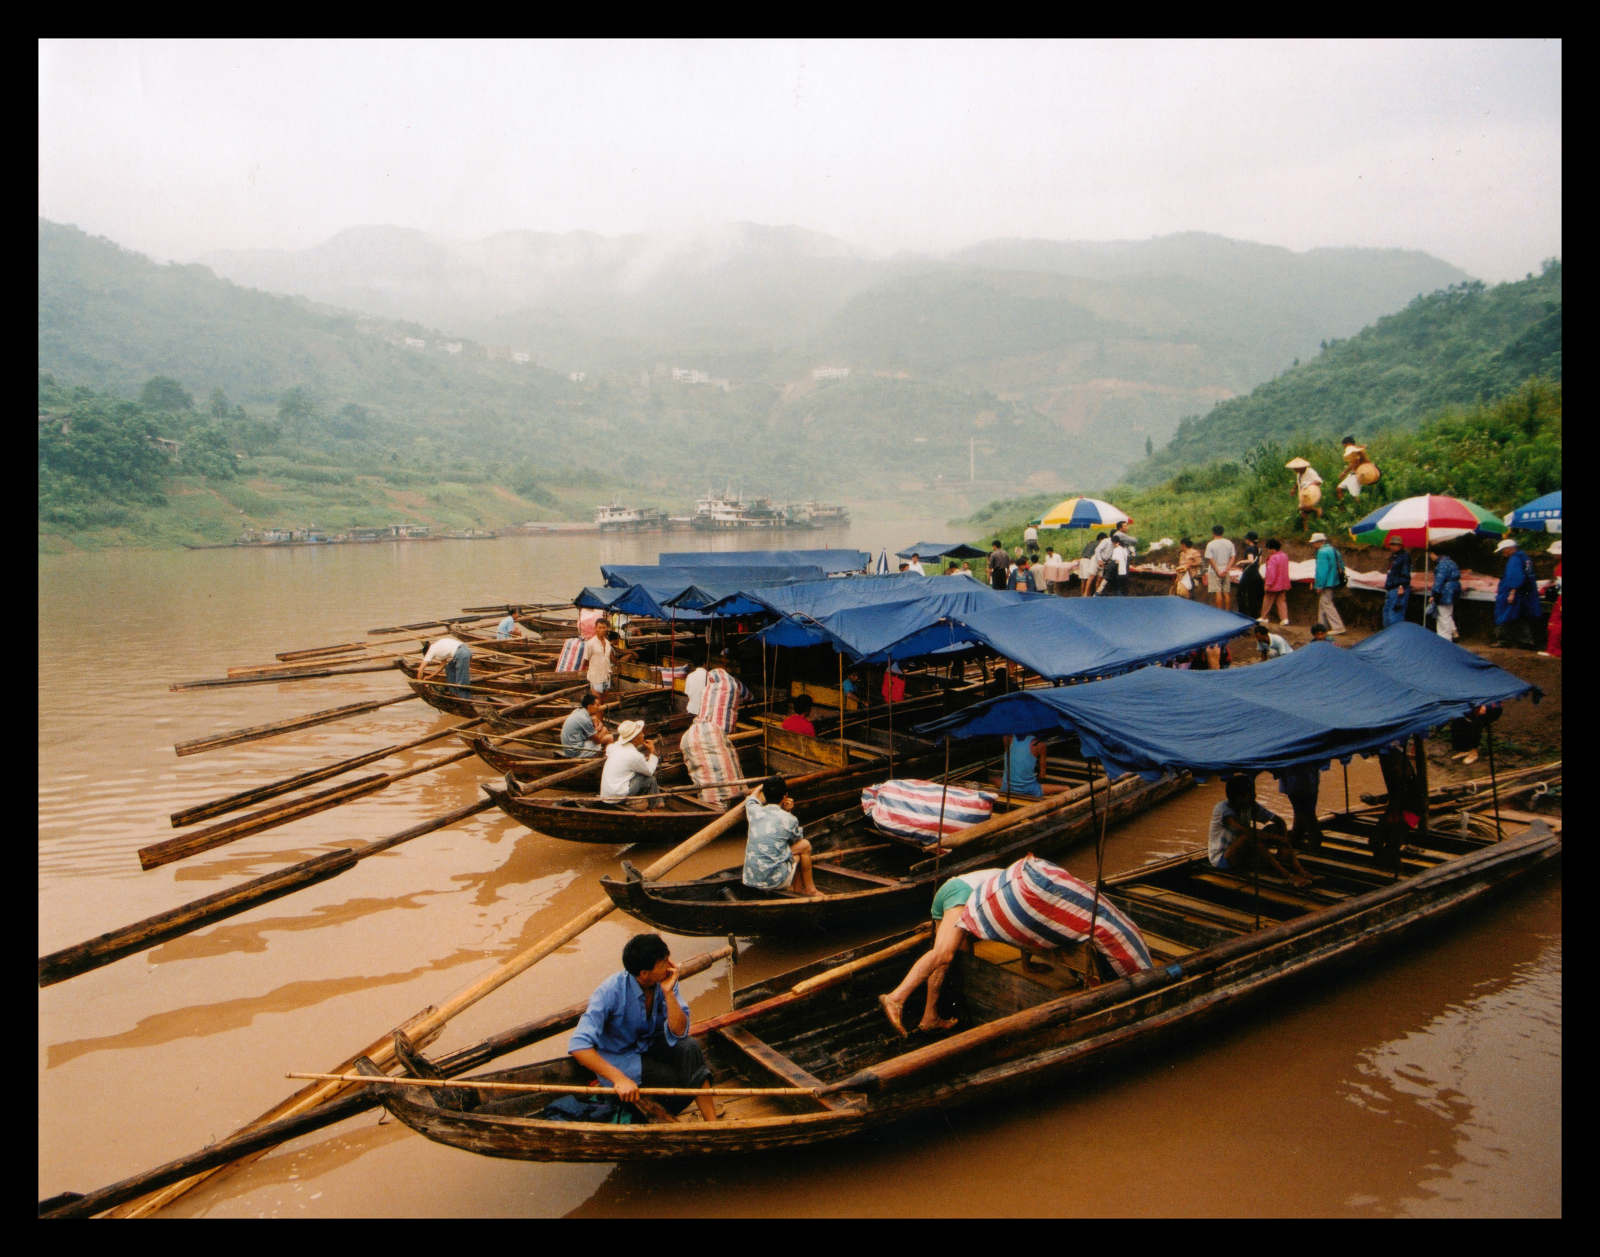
[558, 1088]
[431, 1020]
[255, 733]
[76, 1205]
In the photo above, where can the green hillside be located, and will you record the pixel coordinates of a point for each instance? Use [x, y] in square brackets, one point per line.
[1462, 346]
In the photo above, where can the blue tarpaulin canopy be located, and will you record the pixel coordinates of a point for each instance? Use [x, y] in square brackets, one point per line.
[1066, 639]
[724, 574]
[1315, 705]
[1422, 658]
[942, 550]
[641, 599]
[905, 617]
[830, 561]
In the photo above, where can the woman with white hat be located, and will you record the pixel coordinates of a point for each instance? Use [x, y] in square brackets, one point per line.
[1516, 601]
[631, 763]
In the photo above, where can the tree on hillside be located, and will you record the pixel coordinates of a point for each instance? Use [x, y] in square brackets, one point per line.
[220, 407]
[297, 410]
[163, 393]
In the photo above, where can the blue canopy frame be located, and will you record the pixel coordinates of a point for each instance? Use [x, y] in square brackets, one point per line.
[1310, 707]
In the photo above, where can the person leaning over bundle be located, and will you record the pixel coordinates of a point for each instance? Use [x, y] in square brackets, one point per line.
[635, 1031]
[453, 657]
[707, 753]
[777, 854]
[949, 903]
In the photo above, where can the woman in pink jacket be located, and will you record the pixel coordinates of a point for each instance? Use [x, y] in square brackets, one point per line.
[1276, 579]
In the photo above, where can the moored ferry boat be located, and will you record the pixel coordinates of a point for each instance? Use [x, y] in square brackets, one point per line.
[617, 518]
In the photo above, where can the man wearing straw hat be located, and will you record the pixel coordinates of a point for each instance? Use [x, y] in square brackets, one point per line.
[635, 1031]
[630, 769]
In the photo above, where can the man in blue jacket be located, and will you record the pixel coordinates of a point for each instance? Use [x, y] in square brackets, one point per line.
[1446, 589]
[1516, 601]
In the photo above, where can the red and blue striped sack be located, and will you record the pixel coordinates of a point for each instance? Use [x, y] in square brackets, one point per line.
[571, 657]
[1038, 906]
[667, 675]
[911, 808]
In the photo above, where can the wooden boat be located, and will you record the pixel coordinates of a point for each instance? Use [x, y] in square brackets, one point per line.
[870, 877]
[1220, 942]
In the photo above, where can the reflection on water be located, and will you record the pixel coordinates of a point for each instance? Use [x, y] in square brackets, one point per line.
[1428, 1086]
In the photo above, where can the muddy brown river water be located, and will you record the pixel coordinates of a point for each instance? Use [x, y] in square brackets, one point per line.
[1426, 1086]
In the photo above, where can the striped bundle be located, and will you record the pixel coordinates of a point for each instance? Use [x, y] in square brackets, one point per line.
[911, 808]
[571, 657]
[667, 675]
[1037, 906]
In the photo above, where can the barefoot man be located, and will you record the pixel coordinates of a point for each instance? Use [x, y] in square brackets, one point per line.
[948, 938]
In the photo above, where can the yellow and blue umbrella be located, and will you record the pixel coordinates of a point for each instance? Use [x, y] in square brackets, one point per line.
[1420, 521]
[1082, 513]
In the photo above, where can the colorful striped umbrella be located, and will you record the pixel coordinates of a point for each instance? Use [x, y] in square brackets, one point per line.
[1540, 515]
[1082, 513]
[1421, 520]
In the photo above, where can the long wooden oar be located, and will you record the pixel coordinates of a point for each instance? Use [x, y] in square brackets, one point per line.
[304, 674]
[233, 737]
[113, 945]
[426, 1024]
[185, 845]
[86, 1205]
[562, 1088]
[260, 794]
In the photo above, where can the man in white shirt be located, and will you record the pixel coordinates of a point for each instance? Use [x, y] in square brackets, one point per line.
[453, 657]
[915, 566]
[630, 769]
[1219, 558]
[1030, 538]
[694, 685]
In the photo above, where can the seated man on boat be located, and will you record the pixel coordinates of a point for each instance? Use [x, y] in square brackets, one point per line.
[1235, 844]
[635, 1031]
[799, 718]
[707, 753]
[583, 733]
[453, 657]
[948, 938]
[1023, 774]
[630, 770]
[512, 627]
[777, 855]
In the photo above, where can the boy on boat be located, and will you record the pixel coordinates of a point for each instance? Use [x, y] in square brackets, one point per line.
[949, 901]
[635, 1031]
[1235, 844]
[777, 855]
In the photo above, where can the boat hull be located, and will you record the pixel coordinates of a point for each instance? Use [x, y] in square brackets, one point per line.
[818, 1029]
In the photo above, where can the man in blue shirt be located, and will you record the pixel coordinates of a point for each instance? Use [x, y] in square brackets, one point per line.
[582, 733]
[635, 1031]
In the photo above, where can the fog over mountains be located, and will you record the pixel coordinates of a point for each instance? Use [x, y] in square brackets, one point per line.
[750, 352]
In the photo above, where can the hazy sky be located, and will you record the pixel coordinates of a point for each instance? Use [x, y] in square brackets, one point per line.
[174, 148]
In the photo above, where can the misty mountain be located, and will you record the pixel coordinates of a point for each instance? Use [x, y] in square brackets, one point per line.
[710, 354]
